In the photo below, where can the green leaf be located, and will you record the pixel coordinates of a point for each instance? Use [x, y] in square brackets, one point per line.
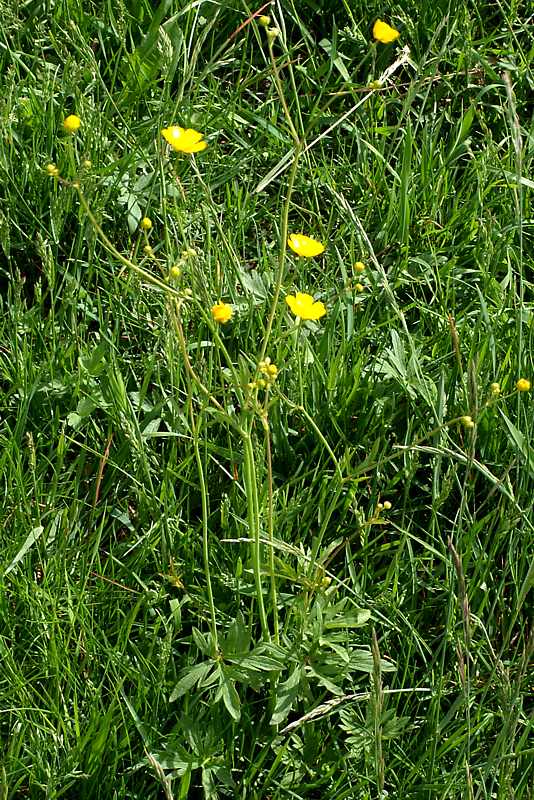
[253, 284]
[237, 642]
[260, 663]
[335, 58]
[193, 676]
[201, 642]
[349, 620]
[286, 694]
[520, 443]
[84, 409]
[34, 536]
[95, 363]
[229, 695]
[362, 660]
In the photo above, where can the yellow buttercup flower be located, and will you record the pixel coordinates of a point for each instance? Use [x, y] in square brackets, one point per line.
[384, 33]
[304, 245]
[145, 224]
[72, 123]
[184, 140]
[523, 385]
[222, 312]
[304, 306]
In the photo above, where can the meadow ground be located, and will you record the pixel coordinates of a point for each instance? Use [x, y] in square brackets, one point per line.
[255, 544]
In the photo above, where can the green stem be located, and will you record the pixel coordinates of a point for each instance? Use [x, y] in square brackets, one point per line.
[283, 249]
[205, 538]
[281, 95]
[285, 210]
[301, 410]
[111, 247]
[299, 363]
[377, 707]
[251, 488]
[270, 526]
[177, 322]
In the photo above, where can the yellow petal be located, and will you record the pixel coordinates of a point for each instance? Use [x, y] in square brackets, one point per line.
[304, 245]
[72, 123]
[195, 148]
[384, 33]
[304, 306]
[172, 134]
[191, 136]
[316, 311]
[222, 312]
[292, 303]
[184, 140]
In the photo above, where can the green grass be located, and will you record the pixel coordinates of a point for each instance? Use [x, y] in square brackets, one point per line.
[148, 516]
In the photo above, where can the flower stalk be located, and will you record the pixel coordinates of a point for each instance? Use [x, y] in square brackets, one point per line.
[253, 516]
[205, 530]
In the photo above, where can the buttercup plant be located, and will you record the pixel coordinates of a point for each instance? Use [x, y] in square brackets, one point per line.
[254, 394]
[190, 141]
[303, 306]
